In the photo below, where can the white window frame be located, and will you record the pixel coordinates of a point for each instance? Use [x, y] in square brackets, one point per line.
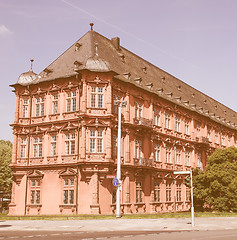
[71, 101]
[168, 154]
[70, 143]
[38, 146]
[23, 148]
[96, 141]
[157, 148]
[25, 108]
[39, 106]
[53, 145]
[55, 104]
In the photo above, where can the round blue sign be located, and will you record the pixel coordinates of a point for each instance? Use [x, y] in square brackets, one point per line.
[115, 182]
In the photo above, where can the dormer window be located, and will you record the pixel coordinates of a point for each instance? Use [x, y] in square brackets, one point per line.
[178, 99]
[169, 94]
[186, 103]
[77, 46]
[122, 57]
[77, 65]
[149, 85]
[160, 90]
[47, 72]
[144, 69]
[138, 80]
[127, 75]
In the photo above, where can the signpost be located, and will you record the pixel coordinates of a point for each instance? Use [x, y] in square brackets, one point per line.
[119, 103]
[191, 179]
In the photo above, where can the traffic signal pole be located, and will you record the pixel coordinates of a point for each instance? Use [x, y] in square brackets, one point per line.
[191, 182]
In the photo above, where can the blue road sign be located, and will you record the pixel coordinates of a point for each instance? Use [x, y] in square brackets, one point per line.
[115, 182]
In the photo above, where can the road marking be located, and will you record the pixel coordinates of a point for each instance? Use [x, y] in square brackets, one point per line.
[66, 233]
[28, 236]
[55, 234]
[14, 237]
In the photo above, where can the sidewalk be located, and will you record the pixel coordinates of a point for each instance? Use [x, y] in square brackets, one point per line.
[212, 223]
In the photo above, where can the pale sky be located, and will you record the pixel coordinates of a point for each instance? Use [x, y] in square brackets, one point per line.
[194, 40]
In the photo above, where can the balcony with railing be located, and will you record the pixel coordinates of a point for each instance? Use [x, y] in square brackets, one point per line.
[143, 122]
[144, 162]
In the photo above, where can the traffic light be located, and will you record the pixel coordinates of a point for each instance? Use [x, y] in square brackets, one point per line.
[187, 182]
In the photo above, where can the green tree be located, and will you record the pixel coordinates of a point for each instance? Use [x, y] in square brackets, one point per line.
[5, 171]
[216, 187]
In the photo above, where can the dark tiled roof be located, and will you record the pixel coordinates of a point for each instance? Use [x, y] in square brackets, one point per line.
[131, 68]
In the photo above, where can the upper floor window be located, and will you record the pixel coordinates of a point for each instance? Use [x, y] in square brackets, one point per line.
[53, 145]
[167, 120]
[198, 131]
[70, 143]
[25, 108]
[138, 110]
[168, 155]
[39, 107]
[138, 149]
[71, 101]
[186, 127]
[209, 134]
[177, 124]
[229, 141]
[37, 147]
[223, 140]
[187, 158]
[23, 148]
[96, 141]
[156, 117]
[55, 104]
[216, 137]
[177, 156]
[97, 97]
[157, 152]
[199, 160]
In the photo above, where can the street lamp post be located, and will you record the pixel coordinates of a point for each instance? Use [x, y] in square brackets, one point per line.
[118, 192]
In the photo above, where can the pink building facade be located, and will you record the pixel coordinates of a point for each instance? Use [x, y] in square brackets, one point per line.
[65, 133]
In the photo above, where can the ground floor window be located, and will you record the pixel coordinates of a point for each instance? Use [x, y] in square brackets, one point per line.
[35, 191]
[156, 191]
[68, 191]
[138, 191]
[168, 192]
[178, 192]
[188, 194]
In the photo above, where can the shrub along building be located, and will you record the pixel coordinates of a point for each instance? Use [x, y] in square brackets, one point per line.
[65, 133]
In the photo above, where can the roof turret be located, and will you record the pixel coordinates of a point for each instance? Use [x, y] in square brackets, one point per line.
[27, 77]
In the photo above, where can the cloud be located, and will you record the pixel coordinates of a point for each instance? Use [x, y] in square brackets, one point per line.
[4, 30]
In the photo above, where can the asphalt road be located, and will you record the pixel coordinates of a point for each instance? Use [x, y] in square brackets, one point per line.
[131, 235]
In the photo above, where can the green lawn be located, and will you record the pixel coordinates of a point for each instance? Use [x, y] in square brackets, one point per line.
[129, 216]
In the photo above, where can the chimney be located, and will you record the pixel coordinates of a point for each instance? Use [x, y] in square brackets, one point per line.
[116, 42]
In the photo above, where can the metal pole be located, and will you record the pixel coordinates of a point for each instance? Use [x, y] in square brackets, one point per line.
[192, 207]
[118, 214]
